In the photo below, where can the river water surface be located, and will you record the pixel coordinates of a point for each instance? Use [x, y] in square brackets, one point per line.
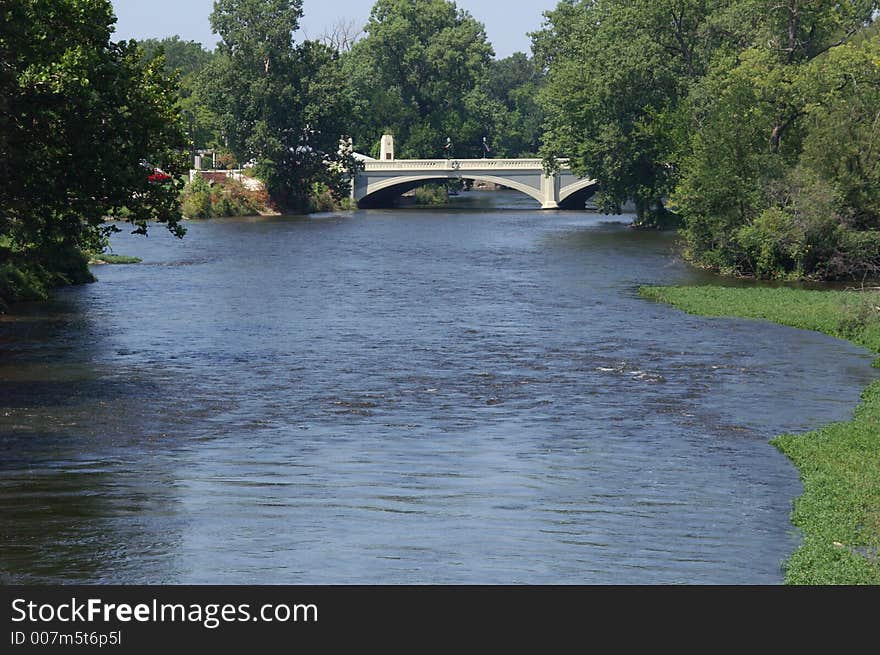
[466, 395]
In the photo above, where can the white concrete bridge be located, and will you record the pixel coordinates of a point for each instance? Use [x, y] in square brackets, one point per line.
[380, 182]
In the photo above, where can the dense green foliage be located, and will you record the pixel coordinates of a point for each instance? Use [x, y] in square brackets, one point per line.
[202, 199]
[184, 57]
[279, 104]
[419, 74]
[514, 84]
[187, 59]
[79, 114]
[839, 512]
[618, 73]
[755, 122]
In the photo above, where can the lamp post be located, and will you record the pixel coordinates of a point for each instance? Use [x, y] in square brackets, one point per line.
[192, 138]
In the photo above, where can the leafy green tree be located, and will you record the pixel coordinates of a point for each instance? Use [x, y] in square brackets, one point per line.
[281, 105]
[617, 76]
[754, 121]
[80, 114]
[778, 180]
[514, 83]
[187, 59]
[419, 73]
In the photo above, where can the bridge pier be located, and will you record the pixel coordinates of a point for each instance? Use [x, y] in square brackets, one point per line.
[549, 191]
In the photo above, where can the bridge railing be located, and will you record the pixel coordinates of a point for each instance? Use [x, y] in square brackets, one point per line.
[456, 164]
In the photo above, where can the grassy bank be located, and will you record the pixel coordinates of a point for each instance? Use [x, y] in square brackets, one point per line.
[107, 258]
[839, 512]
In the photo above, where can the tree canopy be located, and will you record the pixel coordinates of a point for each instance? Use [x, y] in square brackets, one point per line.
[278, 104]
[82, 121]
[187, 59]
[754, 122]
[420, 73]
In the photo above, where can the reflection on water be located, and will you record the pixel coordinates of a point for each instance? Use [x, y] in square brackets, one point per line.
[466, 395]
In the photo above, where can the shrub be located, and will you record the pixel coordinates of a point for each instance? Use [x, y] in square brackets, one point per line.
[773, 245]
[322, 199]
[203, 199]
[431, 194]
[196, 198]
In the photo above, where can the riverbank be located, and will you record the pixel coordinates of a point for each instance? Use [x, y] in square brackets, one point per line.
[839, 512]
[31, 275]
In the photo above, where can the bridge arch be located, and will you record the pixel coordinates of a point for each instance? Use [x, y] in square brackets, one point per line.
[576, 194]
[397, 186]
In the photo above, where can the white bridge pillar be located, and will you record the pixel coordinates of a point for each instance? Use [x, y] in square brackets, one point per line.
[549, 191]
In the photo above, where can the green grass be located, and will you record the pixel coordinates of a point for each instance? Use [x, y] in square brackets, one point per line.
[106, 258]
[839, 512]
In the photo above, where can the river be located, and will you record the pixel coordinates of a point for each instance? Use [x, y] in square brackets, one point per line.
[474, 394]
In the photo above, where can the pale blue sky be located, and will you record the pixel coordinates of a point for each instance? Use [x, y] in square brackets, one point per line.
[506, 21]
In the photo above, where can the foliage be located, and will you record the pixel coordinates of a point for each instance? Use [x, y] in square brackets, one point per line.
[187, 59]
[420, 73]
[280, 104]
[755, 122]
[839, 512]
[618, 74]
[787, 145]
[431, 195]
[323, 199]
[514, 84]
[203, 199]
[78, 116]
[184, 57]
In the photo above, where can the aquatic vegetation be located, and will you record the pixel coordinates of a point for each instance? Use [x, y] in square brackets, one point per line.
[839, 512]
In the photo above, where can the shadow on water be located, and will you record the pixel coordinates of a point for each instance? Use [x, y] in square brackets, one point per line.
[65, 518]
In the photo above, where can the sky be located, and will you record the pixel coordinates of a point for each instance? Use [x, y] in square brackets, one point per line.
[507, 21]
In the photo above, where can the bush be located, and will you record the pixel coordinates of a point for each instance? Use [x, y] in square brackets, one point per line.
[21, 283]
[773, 245]
[196, 198]
[203, 199]
[29, 274]
[857, 256]
[431, 195]
[322, 199]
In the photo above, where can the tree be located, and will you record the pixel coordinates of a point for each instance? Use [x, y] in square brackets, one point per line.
[80, 114]
[515, 83]
[184, 57]
[279, 104]
[779, 179]
[753, 121]
[617, 75]
[419, 73]
[187, 59]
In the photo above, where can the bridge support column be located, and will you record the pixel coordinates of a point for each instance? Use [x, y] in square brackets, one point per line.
[549, 191]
